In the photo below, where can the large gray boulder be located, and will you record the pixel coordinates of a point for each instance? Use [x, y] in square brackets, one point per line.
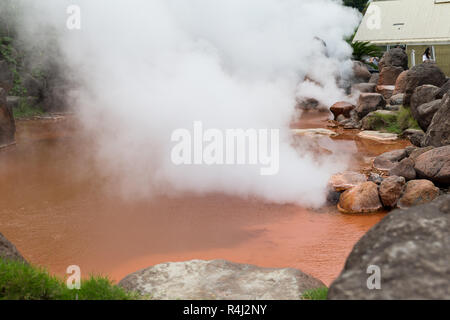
[219, 280]
[410, 247]
[396, 57]
[7, 123]
[425, 73]
[438, 133]
[8, 251]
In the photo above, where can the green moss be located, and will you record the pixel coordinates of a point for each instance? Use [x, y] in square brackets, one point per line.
[392, 123]
[316, 294]
[384, 122]
[406, 120]
[21, 281]
[24, 110]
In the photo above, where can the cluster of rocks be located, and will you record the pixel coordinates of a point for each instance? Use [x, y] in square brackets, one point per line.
[377, 91]
[424, 89]
[410, 177]
[405, 256]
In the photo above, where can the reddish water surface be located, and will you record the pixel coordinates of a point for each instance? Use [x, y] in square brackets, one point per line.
[53, 209]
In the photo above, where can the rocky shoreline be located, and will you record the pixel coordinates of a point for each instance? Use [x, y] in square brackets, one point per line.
[396, 102]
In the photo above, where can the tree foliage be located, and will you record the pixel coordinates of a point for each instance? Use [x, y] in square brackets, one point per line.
[358, 4]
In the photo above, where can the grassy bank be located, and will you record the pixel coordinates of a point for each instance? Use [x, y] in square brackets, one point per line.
[20, 281]
[316, 294]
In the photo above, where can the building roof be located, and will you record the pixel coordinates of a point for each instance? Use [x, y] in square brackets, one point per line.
[406, 22]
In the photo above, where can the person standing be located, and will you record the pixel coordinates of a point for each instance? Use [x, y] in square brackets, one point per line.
[427, 55]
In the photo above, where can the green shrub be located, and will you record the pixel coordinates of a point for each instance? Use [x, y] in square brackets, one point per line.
[24, 110]
[316, 294]
[21, 281]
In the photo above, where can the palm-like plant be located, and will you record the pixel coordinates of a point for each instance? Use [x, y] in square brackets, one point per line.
[364, 49]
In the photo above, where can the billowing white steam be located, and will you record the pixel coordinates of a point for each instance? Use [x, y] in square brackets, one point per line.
[148, 67]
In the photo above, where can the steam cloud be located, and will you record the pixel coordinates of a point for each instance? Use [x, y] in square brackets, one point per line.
[146, 68]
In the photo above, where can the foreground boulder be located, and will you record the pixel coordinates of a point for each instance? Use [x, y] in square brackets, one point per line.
[363, 198]
[7, 123]
[8, 251]
[369, 102]
[425, 73]
[438, 133]
[418, 192]
[434, 165]
[411, 248]
[219, 280]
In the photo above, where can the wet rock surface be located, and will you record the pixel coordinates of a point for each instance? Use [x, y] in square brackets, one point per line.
[346, 180]
[219, 280]
[363, 198]
[411, 248]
